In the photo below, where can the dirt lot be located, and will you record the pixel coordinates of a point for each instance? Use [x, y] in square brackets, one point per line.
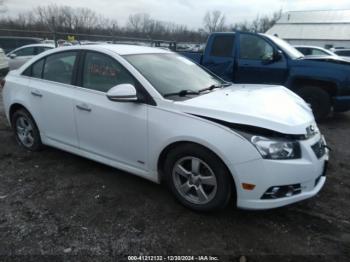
[63, 207]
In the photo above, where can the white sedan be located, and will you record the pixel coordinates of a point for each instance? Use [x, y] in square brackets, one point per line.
[157, 115]
[19, 56]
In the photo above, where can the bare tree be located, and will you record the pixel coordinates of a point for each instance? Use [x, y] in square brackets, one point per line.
[3, 8]
[214, 21]
[259, 24]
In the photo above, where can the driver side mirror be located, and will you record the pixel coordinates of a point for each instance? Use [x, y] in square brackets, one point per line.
[277, 55]
[12, 56]
[122, 93]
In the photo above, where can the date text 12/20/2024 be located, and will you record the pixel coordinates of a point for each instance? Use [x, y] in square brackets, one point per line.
[173, 258]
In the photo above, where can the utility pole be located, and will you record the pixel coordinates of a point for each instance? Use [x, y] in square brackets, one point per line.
[53, 22]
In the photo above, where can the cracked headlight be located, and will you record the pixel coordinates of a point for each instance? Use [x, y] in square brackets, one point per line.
[270, 148]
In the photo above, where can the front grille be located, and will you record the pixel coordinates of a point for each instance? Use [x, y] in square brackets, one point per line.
[319, 148]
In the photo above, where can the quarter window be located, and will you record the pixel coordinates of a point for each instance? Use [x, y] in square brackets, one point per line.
[254, 48]
[37, 69]
[59, 67]
[102, 72]
[27, 51]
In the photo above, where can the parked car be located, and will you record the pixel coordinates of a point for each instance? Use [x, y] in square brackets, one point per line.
[4, 65]
[342, 52]
[240, 57]
[314, 50]
[9, 43]
[19, 56]
[208, 139]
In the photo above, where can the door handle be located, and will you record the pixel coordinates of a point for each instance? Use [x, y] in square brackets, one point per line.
[36, 93]
[84, 107]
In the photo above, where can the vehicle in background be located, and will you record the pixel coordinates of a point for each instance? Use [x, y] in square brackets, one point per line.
[342, 52]
[62, 42]
[19, 56]
[4, 65]
[313, 50]
[9, 43]
[322, 81]
[209, 140]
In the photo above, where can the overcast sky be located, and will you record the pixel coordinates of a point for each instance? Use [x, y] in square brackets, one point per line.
[187, 12]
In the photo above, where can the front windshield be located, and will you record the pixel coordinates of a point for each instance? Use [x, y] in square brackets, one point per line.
[290, 50]
[171, 73]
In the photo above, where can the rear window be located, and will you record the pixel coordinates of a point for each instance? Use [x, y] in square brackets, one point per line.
[223, 46]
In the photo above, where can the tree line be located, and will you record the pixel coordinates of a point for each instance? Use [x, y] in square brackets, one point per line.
[71, 20]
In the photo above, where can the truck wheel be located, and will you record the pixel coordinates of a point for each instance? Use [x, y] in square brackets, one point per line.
[198, 178]
[319, 100]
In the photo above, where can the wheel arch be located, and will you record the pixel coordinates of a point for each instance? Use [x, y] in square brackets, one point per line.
[328, 85]
[15, 107]
[173, 145]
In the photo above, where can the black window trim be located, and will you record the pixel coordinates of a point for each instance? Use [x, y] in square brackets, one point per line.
[30, 67]
[144, 96]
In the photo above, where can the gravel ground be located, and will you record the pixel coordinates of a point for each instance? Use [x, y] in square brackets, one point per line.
[58, 206]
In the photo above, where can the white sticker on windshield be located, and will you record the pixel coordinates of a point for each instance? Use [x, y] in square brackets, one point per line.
[185, 60]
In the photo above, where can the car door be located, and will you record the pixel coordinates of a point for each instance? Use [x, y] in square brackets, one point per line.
[257, 63]
[51, 97]
[20, 56]
[219, 56]
[115, 131]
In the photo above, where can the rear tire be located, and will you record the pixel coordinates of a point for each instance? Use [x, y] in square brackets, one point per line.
[198, 178]
[319, 100]
[26, 131]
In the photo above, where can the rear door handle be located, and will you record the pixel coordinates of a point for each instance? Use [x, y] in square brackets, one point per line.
[84, 107]
[36, 93]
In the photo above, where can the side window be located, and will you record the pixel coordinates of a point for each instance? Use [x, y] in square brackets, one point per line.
[223, 46]
[59, 67]
[318, 52]
[102, 72]
[305, 51]
[40, 49]
[254, 48]
[37, 69]
[27, 51]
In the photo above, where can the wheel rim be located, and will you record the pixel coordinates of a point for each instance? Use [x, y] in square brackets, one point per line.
[194, 180]
[24, 130]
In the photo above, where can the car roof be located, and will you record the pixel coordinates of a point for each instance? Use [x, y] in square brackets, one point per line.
[40, 45]
[21, 37]
[310, 46]
[120, 49]
[123, 49]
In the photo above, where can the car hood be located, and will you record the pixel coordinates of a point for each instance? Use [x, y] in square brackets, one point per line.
[270, 107]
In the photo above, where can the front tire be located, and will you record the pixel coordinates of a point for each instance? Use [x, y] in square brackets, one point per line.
[198, 178]
[26, 131]
[319, 100]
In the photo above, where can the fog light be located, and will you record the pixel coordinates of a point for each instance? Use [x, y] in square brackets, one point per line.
[282, 191]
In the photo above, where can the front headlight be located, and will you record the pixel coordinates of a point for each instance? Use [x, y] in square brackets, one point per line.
[270, 148]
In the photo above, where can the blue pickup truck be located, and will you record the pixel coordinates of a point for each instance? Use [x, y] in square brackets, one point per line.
[324, 81]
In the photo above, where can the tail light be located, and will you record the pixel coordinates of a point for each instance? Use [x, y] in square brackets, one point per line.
[2, 83]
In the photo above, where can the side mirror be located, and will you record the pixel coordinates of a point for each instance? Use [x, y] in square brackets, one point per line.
[122, 93]
[12, 56]
[277, 55]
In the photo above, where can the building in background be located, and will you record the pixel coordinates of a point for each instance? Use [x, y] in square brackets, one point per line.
[319, 28]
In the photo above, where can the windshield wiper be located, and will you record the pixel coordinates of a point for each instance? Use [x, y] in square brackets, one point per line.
[181, 93]
[212, 87]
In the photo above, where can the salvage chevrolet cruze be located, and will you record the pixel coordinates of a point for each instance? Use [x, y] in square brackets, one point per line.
[158, 115]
